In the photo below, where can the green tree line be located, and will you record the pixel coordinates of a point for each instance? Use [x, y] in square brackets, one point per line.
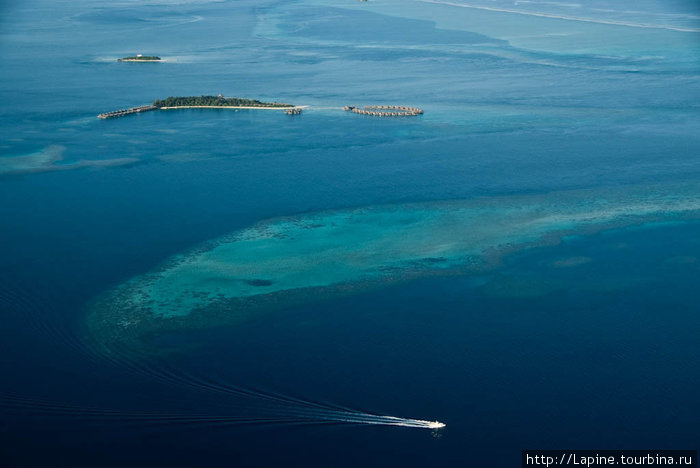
[143, 57]
[214, 101]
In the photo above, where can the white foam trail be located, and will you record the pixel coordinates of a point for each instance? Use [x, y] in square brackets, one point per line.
[279, 416]
[562, 17]
[193, 19]
[393, 421]
[357, 417]
[264, 406]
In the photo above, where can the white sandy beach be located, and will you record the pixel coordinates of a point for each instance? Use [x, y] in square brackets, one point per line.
[233, 107]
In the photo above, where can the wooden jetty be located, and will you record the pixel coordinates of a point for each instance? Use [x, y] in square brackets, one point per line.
[386, 111]
[122, 112]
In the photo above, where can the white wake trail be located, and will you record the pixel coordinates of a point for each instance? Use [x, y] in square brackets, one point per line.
[362, 418]
[562, 17]
[358, 417]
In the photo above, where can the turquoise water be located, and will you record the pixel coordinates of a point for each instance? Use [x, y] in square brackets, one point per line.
[388, 243]
[519, 262]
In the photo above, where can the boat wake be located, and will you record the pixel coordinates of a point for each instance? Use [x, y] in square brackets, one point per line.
[281, 416]
[239, 404]
[233, 404]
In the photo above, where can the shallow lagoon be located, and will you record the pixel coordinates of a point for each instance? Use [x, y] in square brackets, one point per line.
[285, 260]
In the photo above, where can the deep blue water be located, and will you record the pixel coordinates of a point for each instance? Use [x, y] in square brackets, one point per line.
[545, 351]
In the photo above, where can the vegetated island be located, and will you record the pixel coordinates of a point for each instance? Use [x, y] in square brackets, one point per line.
[203, 102]
[215, 101]
[140, 58]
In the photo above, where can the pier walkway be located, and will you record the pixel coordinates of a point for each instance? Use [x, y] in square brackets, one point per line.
[376, 111]
[295, 110]
[122, 112]
[386, 111]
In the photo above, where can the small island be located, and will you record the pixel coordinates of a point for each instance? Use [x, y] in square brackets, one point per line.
[215, 101]
[203, 102]
[140, 58]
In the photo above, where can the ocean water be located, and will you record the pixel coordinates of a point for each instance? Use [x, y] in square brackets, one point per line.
[520, 262]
